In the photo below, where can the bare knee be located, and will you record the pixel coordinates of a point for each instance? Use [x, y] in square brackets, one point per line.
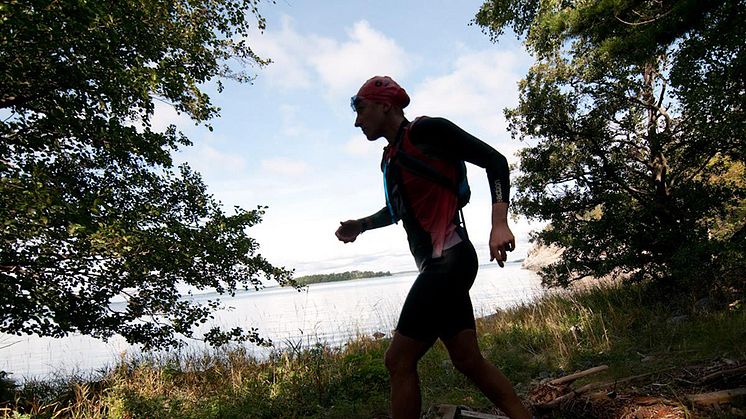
[469, 365]
[397, 364]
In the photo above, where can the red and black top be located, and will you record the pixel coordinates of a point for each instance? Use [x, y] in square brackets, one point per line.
[428, 210]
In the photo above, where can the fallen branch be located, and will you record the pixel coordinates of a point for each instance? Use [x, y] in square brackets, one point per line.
[716, 375]
[449, 411]
[468, 414]
[593, 386]
[717, 396]
[571, 395]
[572, 377]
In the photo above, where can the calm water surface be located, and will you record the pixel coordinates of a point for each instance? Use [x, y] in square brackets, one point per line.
[330, 312]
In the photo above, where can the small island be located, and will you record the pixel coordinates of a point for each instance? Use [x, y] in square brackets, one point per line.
[342, 276]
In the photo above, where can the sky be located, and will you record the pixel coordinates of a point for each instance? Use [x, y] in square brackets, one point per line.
[287, 141]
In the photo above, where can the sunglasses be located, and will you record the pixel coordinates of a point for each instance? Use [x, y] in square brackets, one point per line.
[355, 102]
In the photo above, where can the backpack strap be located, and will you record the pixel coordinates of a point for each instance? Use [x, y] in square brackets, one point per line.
[418, 166]
[422, 169]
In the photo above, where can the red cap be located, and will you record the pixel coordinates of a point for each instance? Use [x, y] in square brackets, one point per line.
[383, 89]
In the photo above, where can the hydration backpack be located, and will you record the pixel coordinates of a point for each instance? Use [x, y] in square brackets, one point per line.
[423, 169]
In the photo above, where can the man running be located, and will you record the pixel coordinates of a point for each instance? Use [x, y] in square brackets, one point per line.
[438, 304]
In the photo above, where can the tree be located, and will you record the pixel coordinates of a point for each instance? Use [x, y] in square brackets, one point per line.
[91, 207]
[634, 115]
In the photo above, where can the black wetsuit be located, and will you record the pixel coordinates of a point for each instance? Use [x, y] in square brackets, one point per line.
[438, 304]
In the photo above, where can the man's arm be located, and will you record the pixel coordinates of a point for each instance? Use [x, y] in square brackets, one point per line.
[350, 229]
[442, 138]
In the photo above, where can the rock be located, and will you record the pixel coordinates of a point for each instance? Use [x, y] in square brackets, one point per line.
[541, 255]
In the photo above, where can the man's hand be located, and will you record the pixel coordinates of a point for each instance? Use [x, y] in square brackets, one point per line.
[501, 238]
[501, 242]
[349, 230]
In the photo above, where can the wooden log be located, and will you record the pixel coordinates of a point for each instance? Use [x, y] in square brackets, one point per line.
[447, 411]
[589, 387]
[572, 377]
[468, 414]
[571, 395]
[717, 397]
[716, 375]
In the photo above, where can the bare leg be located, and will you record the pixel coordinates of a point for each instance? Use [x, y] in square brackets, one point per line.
[465, 355]
[401, 361]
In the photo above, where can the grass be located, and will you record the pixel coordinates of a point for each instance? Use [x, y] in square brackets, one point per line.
[626, 328]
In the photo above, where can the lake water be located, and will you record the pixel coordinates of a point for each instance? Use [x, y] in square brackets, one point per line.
[330, 312]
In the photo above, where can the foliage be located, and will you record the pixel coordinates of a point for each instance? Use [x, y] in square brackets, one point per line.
[91, 208]
[339, 276]
[634, 117]
[315, 382]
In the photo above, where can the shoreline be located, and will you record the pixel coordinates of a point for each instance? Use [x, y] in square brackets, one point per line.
[318, 315]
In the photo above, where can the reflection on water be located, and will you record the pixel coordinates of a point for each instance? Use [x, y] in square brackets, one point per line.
[329, 312]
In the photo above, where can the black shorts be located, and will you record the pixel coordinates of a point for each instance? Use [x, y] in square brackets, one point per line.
[438, 304]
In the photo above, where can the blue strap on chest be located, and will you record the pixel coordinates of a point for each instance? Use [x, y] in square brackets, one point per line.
[389, 205]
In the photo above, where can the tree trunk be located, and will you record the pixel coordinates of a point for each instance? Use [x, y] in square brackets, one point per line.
[658, 163]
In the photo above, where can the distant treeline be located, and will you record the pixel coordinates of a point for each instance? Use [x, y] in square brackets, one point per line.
[343, 276]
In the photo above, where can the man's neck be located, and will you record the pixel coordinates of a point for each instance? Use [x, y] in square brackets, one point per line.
[392, 128]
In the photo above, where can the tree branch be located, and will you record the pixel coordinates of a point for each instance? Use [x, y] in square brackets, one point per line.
[650, 20]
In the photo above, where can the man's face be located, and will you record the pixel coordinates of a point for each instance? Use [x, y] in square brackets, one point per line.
[370, 118]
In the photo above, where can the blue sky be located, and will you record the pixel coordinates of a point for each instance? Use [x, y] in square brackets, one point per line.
[288, 141]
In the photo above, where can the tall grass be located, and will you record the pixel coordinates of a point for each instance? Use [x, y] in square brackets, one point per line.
[626, 327]
[623, 326]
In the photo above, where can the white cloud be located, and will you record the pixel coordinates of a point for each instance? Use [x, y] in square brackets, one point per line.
[164, 115]
[287, 49]
[215, 165]
[291, 125]
[284, 166]
[480, 86]
[227, 162]
[358, 145]
[344, 65]
[339, 65]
